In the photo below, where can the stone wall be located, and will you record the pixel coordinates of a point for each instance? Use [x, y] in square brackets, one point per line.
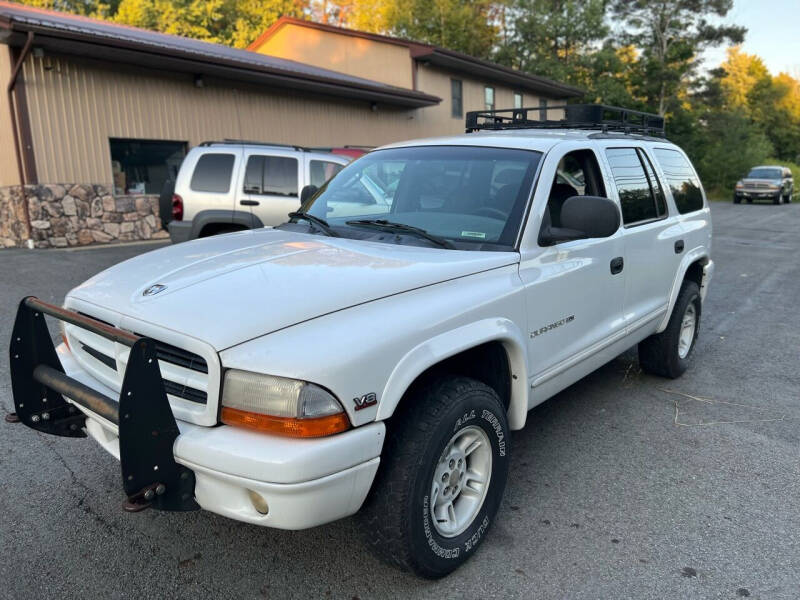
[76, 215]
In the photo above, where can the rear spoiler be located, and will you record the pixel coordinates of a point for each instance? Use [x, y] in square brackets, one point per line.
[49, 401]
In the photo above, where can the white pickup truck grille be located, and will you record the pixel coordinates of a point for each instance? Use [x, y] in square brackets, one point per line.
[190, 379]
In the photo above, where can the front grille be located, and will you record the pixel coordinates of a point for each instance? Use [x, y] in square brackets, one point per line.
[179, 356]
[166, 353]
[185, 392]
[97, 355]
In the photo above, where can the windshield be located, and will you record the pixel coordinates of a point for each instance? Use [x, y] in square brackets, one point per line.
[764, 173]
[465, 195]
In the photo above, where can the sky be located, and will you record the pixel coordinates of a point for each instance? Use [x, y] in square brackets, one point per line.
[773, 33]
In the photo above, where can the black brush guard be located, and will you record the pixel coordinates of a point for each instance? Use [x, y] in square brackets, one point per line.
[147, 427]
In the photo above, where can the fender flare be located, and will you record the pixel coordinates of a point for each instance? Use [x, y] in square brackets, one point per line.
[697, 254]
[450, 343]
[228, 217]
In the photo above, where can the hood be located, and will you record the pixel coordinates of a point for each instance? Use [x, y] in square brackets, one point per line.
[752, 181]
[228, 289]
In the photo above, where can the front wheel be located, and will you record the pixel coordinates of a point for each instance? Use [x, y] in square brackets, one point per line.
[668, 353]
[442, 475]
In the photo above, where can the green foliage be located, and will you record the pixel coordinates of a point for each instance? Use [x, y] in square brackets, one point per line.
[670, 35]
[463, 25]
[723, 145]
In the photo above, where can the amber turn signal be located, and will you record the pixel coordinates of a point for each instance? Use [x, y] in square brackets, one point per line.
[286, 426]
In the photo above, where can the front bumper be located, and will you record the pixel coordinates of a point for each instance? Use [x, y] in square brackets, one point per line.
[258, 478]
[757, 194]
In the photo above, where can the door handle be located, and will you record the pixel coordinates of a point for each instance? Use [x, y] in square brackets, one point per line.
[249, 202]
[616, 265]
[678, 246]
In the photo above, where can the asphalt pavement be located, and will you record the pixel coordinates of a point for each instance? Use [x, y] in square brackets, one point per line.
[622, 486]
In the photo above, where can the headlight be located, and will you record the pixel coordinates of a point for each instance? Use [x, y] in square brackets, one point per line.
[279, 405]
[739, 185]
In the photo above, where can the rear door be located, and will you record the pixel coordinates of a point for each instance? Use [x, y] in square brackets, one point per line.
[207, 181]
[654, 238]
[271, 185]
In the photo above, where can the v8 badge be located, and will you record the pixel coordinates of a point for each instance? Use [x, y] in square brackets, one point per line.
[365, 401]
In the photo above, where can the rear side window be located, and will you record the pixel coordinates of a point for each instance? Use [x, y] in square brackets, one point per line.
[212, 173]
[273, 175]
[681, 179]
[322, 170]
[637, 193]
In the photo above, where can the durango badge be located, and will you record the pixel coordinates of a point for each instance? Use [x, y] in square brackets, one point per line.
[154, 289]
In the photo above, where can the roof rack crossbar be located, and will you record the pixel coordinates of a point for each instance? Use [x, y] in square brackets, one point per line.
[576, 116]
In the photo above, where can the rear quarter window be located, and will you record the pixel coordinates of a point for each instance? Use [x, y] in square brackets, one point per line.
[212, 173]
[681, 179]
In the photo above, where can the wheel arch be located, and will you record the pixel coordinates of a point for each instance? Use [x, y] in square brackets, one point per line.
[455, 351]
[695, 266]
[223, 218]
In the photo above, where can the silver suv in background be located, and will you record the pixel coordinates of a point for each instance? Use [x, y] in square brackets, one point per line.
[769, 182]
[233, 185]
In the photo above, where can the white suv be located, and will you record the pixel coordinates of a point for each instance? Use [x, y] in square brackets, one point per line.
[378, 360]
[233, 185]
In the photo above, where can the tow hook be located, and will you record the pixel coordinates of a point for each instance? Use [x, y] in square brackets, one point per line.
[143, 498]
[12, 417]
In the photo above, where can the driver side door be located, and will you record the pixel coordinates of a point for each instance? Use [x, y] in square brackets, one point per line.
[574, 290]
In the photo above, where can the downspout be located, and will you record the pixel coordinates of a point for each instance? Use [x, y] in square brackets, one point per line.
[15, 128]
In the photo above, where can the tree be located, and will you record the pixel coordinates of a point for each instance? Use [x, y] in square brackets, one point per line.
[554, 38]
[231, 22]
[671, 34]
[462, 25]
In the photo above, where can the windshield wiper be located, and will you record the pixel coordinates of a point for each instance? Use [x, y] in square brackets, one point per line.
[390, 226]
[321, 224]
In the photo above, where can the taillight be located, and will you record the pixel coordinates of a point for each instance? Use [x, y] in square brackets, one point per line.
[177, 208]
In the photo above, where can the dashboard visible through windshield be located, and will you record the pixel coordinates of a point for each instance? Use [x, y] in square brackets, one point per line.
[459, 196]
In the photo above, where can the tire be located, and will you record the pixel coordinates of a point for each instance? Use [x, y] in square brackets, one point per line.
[749, 200]
[778, 199]
[737, 200]
[165, 203]
[789, 197]
[397, 516]
[662, 353]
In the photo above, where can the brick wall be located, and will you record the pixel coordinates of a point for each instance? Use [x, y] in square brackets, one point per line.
[76, 215]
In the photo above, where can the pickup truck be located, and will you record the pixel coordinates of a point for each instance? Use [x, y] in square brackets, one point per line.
[377, 361]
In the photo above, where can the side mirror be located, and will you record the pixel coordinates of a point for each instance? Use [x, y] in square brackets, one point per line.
[307, 192]
[583, 217]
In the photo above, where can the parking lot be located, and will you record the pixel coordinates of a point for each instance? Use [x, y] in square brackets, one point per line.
[622, 486]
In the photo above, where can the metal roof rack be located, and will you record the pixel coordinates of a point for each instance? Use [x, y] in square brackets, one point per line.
[576, 116]
[230, 141]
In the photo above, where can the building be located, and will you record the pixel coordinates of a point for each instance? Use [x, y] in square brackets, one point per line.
[98, 115]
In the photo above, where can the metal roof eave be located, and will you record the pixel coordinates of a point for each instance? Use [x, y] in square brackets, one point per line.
[466, 64]
[105, 49]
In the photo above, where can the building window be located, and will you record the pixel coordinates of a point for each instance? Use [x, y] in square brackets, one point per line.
[143, 166]
[456, 95]
[488, 97]
[542, 109]
[517, 99]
